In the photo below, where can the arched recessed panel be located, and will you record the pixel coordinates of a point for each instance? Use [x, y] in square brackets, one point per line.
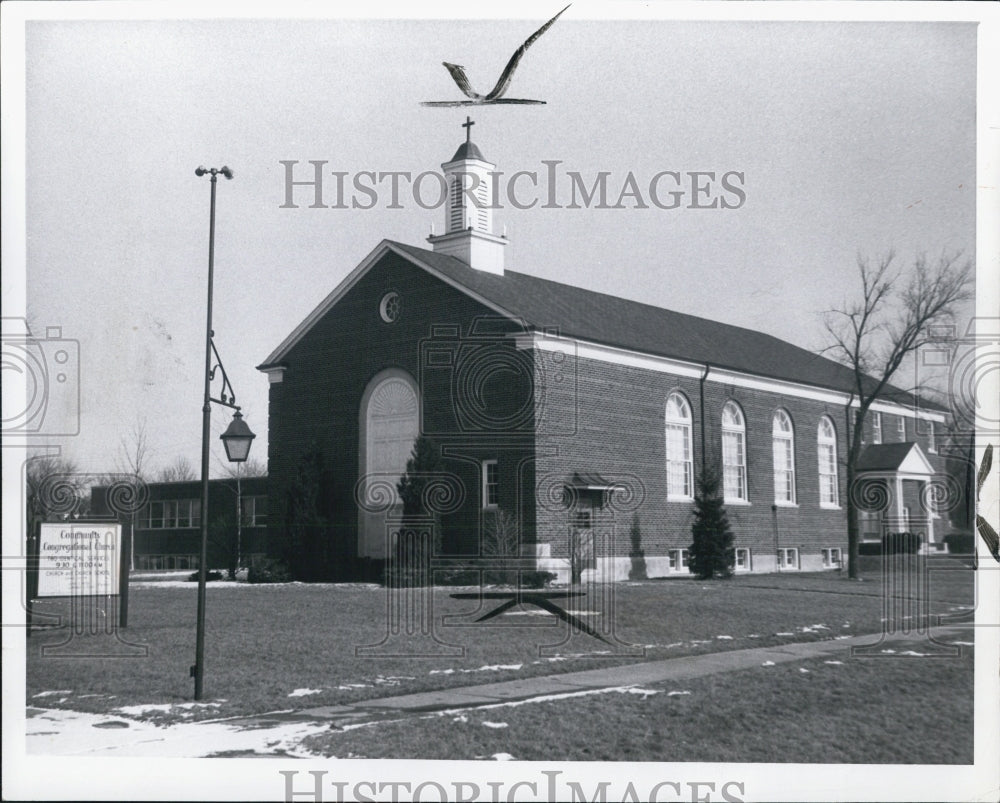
[390, 423]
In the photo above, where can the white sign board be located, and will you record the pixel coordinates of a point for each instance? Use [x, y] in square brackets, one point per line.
[79, 559]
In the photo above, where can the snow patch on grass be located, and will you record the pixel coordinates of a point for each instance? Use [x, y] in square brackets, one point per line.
[495, 724]
[834, 663]
[676, 693]
[489, 668]
[725, 638]
[186, 709]
[503, 757]
[52, 693]
[768, 663]
[77, 733]
[304, 692]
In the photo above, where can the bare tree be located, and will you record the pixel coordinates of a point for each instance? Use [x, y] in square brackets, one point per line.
[896, 315]
[133, 459]
[134, 450]
[180, 470]
[53, 487]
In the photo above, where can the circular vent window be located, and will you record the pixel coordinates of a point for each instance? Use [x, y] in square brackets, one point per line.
[390, 306]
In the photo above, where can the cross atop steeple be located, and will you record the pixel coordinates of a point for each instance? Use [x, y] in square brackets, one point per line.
[467, 125]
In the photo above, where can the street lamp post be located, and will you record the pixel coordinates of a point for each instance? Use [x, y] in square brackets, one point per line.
[236, 439]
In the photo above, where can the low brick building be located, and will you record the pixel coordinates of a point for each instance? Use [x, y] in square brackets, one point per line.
[575, 413]
[168, 525]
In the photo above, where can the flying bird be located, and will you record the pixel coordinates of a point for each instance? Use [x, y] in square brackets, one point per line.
[496, 95]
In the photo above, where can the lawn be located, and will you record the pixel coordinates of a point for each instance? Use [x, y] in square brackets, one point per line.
[295, 646]
[905, 710]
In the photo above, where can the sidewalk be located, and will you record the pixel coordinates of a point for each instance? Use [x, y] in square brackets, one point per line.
[649, 672]
[280, 733]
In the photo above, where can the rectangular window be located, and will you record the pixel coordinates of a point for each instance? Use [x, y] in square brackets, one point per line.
[678, 560]
[743, 560]
[254, 509]
[870, 524]
[679, 465]
[877, 427]
[174, 514]
[831, 558]
[828, 475]
[931, 440]
[901, 427]
[784, 471]
[788, 558]
[734, 466]
[491, 483]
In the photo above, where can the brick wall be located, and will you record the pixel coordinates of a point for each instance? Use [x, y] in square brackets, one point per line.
[619, 434]
[317, 405]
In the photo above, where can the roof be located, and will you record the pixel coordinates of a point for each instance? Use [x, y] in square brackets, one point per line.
[905, 458]
[589, 480]
[884, 456]
[622, 323]
[468, 150]
[574, 312]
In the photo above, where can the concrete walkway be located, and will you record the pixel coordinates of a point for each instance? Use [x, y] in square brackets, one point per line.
[634, 674]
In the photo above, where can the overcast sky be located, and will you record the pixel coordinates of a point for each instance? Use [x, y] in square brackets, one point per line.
[852, 137]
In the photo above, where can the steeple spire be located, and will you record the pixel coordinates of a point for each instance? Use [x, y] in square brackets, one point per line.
[468, 231]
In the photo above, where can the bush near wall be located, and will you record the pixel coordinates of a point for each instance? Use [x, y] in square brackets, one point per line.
[896, 543]
[960, 543]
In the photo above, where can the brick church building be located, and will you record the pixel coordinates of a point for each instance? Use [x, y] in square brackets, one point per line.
[576, 415]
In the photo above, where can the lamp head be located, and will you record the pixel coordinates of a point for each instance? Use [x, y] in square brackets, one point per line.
[200, 171]
[237, 439]
[226, 172]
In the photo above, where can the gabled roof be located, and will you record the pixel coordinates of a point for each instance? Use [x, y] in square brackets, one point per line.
[904, 457]
[612, 321]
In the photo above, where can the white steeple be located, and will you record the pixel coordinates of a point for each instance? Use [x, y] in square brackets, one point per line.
[468, 216]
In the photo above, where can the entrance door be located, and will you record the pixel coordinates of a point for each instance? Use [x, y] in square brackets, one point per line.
[581, 540]
[390, 424]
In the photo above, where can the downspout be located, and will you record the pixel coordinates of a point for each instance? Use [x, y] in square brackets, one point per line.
[701, 404]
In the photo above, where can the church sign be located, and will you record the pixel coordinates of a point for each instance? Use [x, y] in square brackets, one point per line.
[79, 559]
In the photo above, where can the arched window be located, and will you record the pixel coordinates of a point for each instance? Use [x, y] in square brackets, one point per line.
[734, 454]
[680, 469]
[826, 447]
[783, 445]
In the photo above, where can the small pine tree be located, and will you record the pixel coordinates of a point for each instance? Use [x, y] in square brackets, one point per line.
[411, 549]
[424, 460]
[711, 554]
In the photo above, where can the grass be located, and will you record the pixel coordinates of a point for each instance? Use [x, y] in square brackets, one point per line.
[906, 710]
[265, 642]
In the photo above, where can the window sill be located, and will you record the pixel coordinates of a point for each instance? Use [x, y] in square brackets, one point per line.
[828, 506]
[739, 502]
[677, 498]
[786, 504]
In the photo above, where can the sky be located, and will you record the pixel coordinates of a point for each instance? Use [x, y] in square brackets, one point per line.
[852, 138]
